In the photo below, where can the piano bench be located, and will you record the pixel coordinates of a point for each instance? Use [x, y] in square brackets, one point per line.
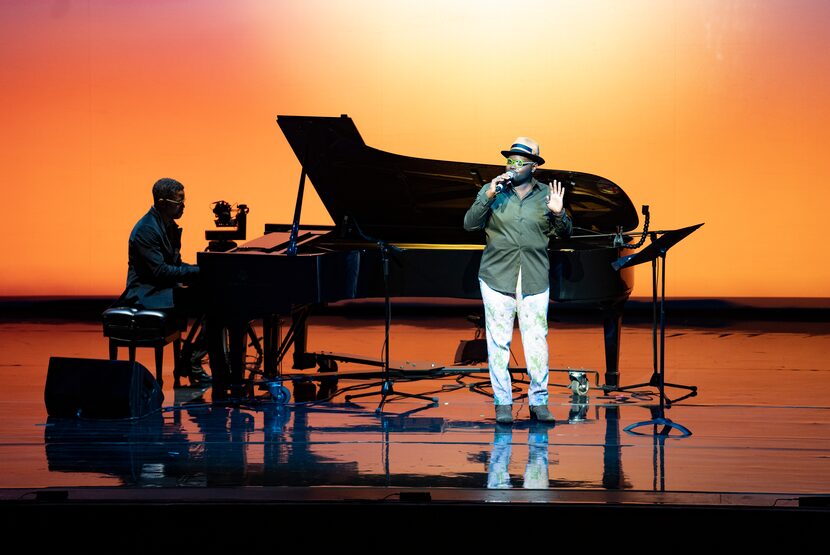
[135, 328]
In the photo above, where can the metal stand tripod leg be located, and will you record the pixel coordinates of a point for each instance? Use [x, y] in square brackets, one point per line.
[659, 419]
[387, 387]
[657, 376]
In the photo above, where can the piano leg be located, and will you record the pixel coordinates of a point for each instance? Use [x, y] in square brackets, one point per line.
[612, 324]
[237, 337]
[613, 477]
[214, 338]
[299, 326]
[271, 331]
[276, 347]
[226, 343]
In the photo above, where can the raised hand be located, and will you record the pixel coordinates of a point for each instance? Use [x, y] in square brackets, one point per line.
[556, 194]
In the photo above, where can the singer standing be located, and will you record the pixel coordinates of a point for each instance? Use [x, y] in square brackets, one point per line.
[518, 214]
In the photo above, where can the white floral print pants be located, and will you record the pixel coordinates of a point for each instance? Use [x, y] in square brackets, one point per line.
[500, 312]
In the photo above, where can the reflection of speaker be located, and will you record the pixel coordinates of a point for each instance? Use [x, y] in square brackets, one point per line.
[95, 388]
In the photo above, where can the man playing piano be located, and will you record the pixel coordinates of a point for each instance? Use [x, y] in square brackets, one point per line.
[518, 214]
[155, 266]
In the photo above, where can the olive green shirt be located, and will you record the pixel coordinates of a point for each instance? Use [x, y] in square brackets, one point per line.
[517, 233]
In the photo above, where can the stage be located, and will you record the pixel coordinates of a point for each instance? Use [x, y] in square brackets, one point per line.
[757, 460]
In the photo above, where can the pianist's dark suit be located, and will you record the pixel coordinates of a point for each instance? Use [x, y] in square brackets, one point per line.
[155, 264]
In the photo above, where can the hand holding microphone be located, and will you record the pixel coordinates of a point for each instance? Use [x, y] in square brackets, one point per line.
[501, 182]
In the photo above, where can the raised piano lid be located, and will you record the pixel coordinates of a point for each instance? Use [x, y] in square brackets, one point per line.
[404, 199]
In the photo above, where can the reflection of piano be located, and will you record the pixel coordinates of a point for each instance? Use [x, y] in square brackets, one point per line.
[415, 204]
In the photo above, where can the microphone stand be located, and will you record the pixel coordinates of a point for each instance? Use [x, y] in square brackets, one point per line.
[387, 387]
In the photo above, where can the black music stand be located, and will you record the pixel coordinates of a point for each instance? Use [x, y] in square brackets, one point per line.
[387, 387]
[657, 249]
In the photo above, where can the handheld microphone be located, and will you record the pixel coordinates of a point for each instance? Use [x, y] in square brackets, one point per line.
[511, 175]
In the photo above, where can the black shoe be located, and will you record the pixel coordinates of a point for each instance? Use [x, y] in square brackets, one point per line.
[504, 414]
[199, 376]
[541, 413]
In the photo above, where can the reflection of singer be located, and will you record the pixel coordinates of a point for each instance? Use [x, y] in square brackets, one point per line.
[536, 474]
[514, 272]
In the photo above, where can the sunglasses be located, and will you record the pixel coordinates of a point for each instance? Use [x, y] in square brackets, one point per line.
[517, 163]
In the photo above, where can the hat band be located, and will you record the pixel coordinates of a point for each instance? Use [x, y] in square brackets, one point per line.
[522, 147]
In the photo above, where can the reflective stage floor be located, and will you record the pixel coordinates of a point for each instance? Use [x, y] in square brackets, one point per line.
[757, 458]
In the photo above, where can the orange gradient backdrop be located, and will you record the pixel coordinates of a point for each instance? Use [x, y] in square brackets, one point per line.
[708, 111]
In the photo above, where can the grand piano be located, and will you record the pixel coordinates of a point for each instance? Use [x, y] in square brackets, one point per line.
[397, 232]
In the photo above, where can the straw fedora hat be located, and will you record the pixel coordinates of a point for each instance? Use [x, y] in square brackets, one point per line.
[527, 147]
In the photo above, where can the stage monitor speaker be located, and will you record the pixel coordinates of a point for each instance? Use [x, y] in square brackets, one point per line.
[100, 389]
[471, 351]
